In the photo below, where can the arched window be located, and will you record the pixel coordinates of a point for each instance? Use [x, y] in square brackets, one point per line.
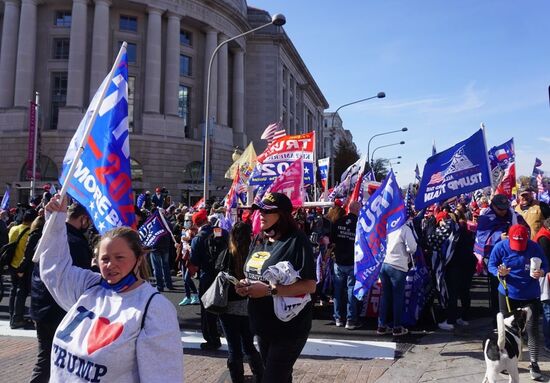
[46, 170]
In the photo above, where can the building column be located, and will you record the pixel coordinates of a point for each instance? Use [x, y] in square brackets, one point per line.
[172, 71]
[223, 84]
[238, 98]
[77, 54]
[153, 61]
[26, 54]
[8, 52]
[210, 46]
[100, 45]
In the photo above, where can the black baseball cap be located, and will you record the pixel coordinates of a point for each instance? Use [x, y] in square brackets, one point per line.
[272, 201]
[500, 201]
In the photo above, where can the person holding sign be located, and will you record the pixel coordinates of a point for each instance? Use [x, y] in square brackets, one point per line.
[118, 328]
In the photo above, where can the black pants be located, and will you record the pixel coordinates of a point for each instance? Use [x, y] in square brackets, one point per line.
[458, 287]
[533, 324]
[45, 331]
[279, 356]
[209, 321]
[20, 287]
[493, 295]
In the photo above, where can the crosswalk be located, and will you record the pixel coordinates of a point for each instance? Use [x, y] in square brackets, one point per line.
[314, 347]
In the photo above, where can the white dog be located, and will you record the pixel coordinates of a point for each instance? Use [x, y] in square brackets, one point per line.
[503, 350]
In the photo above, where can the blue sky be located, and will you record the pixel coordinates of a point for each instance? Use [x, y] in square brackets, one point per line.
[445, 66]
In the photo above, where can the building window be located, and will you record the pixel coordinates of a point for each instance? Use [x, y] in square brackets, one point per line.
[58, 96]
[61, 49]
[131, 102]
[63, 19]
[128, 23]
[131, 52]
[185, 65]
[186, 38]
[184, 107]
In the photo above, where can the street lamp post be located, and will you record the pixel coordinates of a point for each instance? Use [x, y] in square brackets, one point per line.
[277, 20]
[382, 134]
[378, 95]
[383, 146]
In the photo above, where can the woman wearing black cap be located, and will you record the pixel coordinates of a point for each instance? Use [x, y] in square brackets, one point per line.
[280, 342]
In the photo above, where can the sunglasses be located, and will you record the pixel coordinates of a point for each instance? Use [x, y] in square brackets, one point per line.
[270, 211]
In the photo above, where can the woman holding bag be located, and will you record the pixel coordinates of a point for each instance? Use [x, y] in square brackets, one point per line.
[280, 342]
[236, 325]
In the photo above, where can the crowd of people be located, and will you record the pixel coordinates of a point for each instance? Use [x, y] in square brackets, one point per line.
[83, 278]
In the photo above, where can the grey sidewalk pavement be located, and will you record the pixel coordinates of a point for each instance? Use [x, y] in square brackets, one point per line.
[440, 356]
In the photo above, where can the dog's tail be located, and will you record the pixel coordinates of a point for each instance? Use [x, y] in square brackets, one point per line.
[501, 330]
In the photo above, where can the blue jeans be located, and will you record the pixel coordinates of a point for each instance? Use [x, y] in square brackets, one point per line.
[161, 268]
[344, 281]
[546, 322]
[393, 295]
[190, 287]
[239, 338]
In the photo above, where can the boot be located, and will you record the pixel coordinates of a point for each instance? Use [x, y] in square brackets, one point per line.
[256, 366]
[236, 370]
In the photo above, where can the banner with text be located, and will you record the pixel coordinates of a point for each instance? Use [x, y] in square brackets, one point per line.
[280, 154]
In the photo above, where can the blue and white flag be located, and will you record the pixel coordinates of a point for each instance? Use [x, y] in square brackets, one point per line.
[53, 190]
[383, 213]
[459, 169]
[102, 181]
[5, 204]
[140, 202]
[152, 230]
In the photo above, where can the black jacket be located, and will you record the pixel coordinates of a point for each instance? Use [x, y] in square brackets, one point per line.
[43, 306]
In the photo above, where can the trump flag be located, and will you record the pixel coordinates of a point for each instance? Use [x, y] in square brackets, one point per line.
[503, 167]
[460, 169]
[152, 230]
[102, 181]
[383, 213]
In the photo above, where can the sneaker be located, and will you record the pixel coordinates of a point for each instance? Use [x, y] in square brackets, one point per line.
[24, 324]
[383, 330]
[195, 299]
[462, 322]
[351, 325]
[446, 326]
[400, 331]
[534, 371]
[185, 301]
[339, 323]
[209, 346]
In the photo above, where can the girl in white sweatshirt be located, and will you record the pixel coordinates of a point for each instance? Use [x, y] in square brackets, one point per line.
[117, 328]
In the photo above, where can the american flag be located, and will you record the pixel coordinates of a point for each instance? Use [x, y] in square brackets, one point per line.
[273, 132]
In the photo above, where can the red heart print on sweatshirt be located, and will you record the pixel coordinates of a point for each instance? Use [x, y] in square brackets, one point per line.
[102, 334]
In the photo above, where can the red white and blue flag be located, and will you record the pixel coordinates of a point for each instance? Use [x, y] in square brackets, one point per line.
[273, 132]
[280, 154]
[503, 167]
[291, 183]
[102, 181]
[324, 164]
[383, 213]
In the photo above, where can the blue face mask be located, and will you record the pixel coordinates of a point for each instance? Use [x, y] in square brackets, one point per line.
[123, 284]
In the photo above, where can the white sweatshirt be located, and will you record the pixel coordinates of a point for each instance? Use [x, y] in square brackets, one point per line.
[401, 244]
[101, 338]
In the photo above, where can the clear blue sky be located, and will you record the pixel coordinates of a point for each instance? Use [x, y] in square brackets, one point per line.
[446, 66]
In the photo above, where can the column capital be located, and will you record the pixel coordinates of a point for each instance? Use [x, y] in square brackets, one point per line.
[31, 2]
[85, 2]
[154, 10]
[236, 50]
[108, 3]
[173, 15]
[210, 30]
[13, 2]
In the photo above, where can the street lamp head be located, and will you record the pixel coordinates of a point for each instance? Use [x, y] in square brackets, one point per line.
[278, 20]
[381, 95]
[399, 157]
[404, 129]
[402, 143]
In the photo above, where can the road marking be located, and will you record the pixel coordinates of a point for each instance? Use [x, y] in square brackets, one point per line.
[314, 347]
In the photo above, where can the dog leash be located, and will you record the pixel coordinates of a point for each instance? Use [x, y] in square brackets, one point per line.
[503, 282]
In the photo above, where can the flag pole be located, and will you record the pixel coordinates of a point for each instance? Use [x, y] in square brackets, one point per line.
[487, 157]
[166, 225]
[83, 141]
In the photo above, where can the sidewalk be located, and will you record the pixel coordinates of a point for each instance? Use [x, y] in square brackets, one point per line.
[454, 357]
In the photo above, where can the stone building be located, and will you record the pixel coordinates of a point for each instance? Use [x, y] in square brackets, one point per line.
[63, 49]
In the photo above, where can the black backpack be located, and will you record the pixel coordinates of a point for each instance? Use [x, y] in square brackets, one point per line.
[214, 246]
[7, 252]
